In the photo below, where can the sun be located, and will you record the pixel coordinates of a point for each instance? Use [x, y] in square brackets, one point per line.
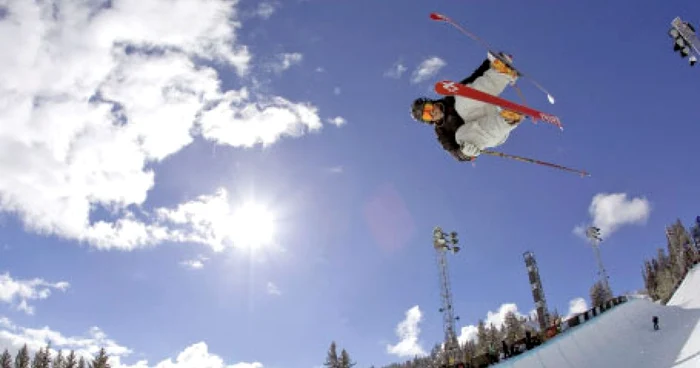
[253, 225]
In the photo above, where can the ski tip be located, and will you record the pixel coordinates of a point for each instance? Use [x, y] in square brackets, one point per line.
[550, 98]
[436, 16]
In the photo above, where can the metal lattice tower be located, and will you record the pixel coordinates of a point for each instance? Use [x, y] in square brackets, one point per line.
[533, 274]
[442, 244]
[593, 233]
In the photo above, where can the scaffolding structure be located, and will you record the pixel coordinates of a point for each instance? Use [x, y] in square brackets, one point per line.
[533, 274]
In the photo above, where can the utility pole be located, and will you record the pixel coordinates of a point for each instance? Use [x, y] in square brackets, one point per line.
[444, 243]
[593, 234]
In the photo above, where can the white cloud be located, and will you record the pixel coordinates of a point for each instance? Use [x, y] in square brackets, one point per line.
[428, 68]
[20, 292]
[610, 211]
[205, 219]
[90, 99]
[14, 337]
[576, 306]
[408, 332]
[396, 70]
[266, 9]
[195, 355]
[336, 90]
[244, 125]
[195, 263]
[286, 61]
[272, 289]
[496, 318]
[337, 121]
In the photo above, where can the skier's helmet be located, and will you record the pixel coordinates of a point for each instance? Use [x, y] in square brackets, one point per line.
[417, 109]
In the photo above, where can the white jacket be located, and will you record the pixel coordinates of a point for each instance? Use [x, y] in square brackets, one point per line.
[483, 125]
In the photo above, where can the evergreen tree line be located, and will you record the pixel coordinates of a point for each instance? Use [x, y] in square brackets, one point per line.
[42, 359]
[335, 361]
[489, 341]
[663, 274]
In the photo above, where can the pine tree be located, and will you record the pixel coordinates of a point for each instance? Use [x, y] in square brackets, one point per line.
[695, 234]
[42, 357]
[649, 276]
[493, 338]
[332, 357]
[38, 357]
[6, 359]
[71, 360]
[345, 361]
[514, 328]
[58, 362]
[101, 360]
[22, 359]
[598, 294]
[481, 337]
[470, 350]
[81, 363]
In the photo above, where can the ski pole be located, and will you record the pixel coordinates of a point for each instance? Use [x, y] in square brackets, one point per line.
[533, 161]
[440, 17]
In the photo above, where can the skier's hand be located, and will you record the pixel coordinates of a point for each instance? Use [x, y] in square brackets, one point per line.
[470, 150]
[459, 156]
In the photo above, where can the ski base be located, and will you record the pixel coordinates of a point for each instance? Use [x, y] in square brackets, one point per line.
[450, 88]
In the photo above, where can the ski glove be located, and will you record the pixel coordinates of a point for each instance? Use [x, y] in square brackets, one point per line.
[470, 149]
[459, 156]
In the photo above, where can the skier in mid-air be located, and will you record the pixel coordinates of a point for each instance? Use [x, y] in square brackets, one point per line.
[465, 126]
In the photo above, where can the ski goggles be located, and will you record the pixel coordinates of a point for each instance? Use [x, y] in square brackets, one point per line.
[428, 108]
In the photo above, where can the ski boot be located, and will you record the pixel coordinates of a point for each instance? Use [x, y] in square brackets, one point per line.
[503, 63]
[511, 117]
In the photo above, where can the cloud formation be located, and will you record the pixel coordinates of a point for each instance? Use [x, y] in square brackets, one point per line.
[396, 70]
[610, 211]
[576, 306]
[496, 318]
[287, 60]
[88, 345]
[19, 292]
[91, 99]
[428, 68]
[272, 289]
[408, 333]
[337, 121]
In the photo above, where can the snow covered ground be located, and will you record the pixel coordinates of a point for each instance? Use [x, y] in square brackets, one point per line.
[624, 336]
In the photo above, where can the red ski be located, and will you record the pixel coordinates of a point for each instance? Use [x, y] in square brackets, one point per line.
[450, 88]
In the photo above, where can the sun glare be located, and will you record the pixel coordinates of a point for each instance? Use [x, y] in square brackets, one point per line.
[253, 226]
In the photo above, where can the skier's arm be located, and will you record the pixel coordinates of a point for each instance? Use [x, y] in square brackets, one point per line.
[450, 145]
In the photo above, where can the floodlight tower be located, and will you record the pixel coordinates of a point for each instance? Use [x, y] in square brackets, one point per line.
[685, 41]
[443, 244]
[593, 234]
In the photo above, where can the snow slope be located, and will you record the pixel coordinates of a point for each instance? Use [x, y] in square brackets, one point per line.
[624, 337]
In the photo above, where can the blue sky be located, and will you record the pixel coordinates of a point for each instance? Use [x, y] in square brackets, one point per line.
[118, 214]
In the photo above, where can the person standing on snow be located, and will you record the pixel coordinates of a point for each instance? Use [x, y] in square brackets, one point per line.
[464, 126]
[655, 320]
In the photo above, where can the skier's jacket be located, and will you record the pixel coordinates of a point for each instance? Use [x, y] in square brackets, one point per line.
[447, 127]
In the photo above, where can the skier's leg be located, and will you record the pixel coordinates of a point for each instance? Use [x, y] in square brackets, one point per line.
[490, 130]
[496, 78]
[492, 80]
